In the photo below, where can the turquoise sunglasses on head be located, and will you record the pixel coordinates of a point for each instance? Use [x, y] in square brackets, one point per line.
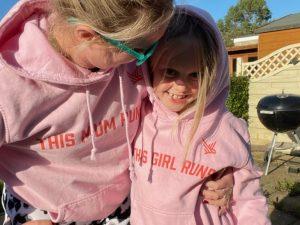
[140, 57]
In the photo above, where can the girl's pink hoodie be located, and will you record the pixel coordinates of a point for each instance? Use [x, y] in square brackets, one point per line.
[62, 127]
[166, 187]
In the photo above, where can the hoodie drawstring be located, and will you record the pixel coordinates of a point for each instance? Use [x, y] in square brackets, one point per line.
[91, 123]
[131, 165]
[151, 151]
[152, 100]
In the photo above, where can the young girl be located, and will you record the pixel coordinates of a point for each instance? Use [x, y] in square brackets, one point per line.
[188, 134]
[70, 102]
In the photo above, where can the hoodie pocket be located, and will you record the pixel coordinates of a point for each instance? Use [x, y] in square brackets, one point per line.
[95, 206]
[145, 215]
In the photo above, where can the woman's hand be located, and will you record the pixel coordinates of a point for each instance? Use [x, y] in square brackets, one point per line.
[218, 190]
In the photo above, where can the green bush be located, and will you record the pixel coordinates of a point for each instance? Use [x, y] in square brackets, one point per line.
[237, 101]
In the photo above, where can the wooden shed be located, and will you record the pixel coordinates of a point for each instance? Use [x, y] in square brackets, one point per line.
[278, 34]
[244, 50]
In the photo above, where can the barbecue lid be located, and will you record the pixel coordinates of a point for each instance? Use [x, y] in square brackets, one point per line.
[280, 102]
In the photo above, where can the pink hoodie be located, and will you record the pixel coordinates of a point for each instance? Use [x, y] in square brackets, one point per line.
[166, 188]
[56, 116]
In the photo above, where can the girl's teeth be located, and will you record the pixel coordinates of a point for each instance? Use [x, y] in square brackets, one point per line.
[177, 96]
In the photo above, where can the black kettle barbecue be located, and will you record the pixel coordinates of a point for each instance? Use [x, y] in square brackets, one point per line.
[279, 113]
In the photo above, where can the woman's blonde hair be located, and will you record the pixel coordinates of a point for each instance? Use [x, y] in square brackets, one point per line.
[124, 20]
[206, 49]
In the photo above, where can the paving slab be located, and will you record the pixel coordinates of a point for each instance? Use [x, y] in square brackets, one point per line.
[290, 205]
[281, 218]
[297, 223]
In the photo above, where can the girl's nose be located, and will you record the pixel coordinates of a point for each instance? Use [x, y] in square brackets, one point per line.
[181, 83]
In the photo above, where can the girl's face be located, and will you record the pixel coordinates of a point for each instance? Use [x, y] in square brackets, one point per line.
[176, 77]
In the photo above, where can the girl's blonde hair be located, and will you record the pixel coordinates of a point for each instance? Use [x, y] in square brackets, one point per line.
[206, 49]
[124, 20]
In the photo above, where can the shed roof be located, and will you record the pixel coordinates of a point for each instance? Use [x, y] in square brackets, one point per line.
[284, 23]
[240, 48]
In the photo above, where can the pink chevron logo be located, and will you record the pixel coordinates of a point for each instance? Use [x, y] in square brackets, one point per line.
[209, 148]
[136, 76]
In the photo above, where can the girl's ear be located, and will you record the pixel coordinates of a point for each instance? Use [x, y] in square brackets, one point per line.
[84, 33]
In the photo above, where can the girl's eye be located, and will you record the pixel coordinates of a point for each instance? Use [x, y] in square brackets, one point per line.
[170, 73]
[194, 76]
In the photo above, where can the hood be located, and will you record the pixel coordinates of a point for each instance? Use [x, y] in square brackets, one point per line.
[219, 92]
[25, 49]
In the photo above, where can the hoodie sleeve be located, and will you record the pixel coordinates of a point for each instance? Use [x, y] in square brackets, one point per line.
[249, 204]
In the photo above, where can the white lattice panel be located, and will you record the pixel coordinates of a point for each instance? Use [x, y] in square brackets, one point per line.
[273, 63]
